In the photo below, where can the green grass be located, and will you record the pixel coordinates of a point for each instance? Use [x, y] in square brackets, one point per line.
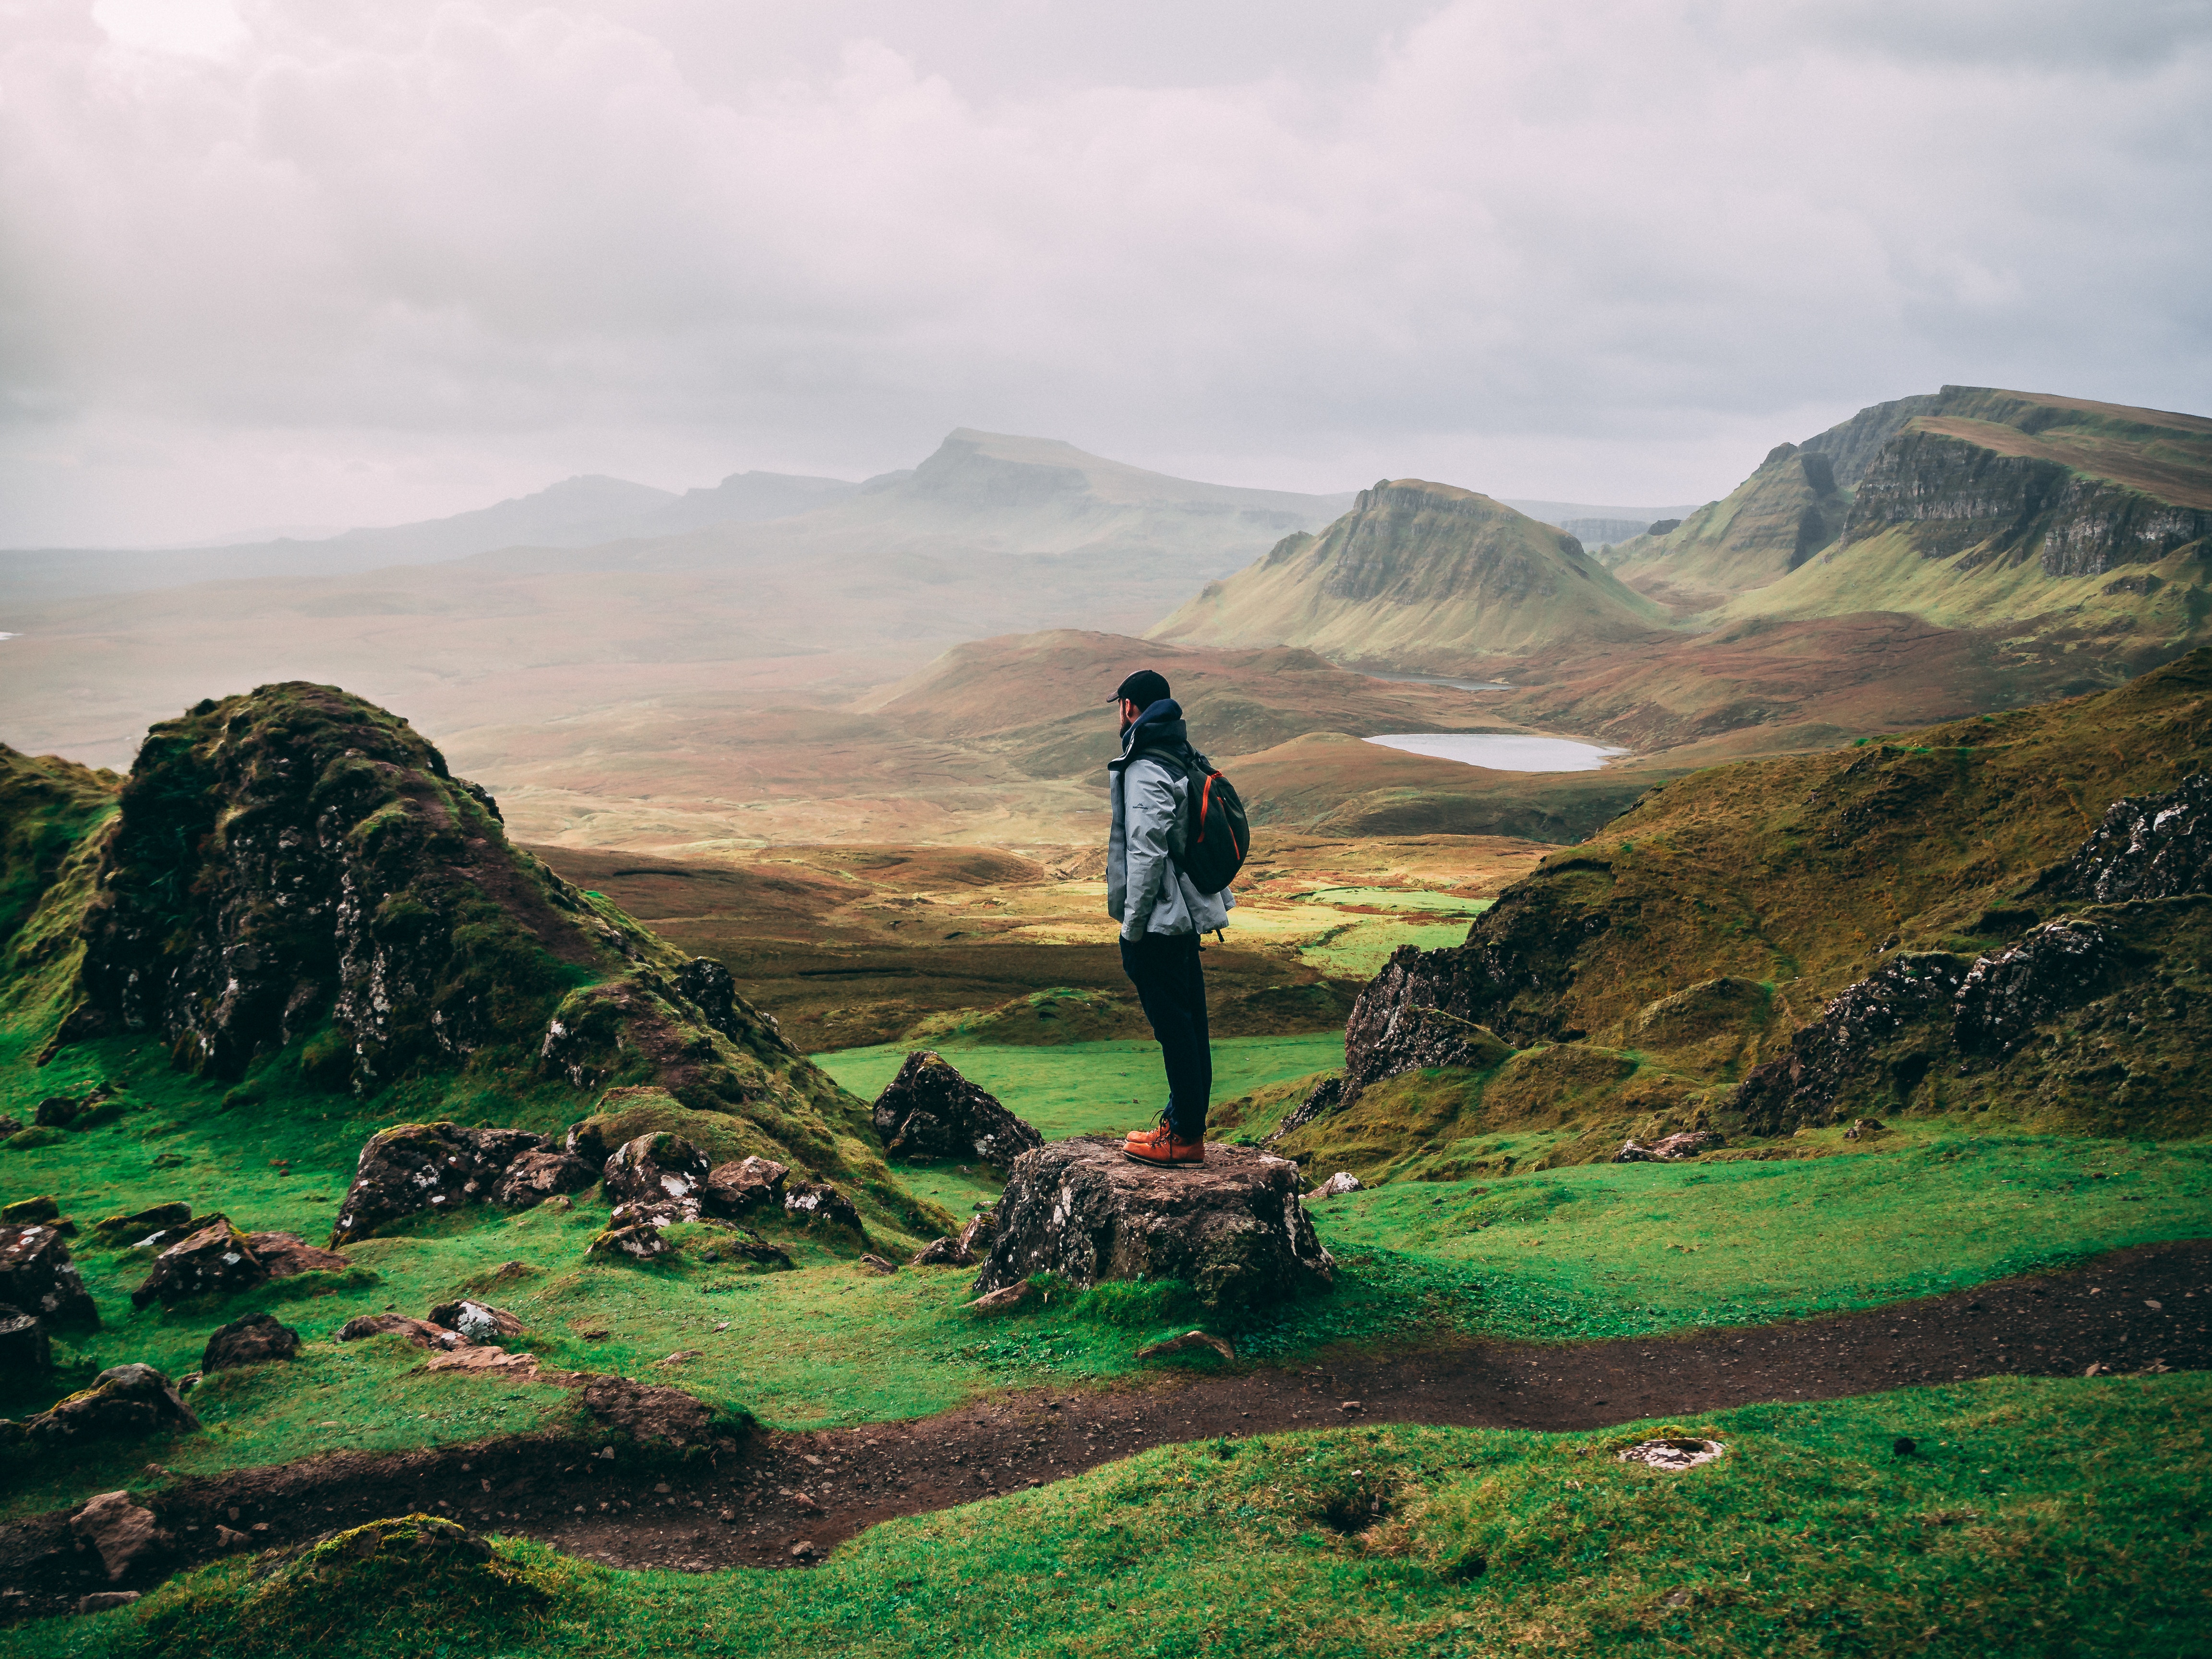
[1399, 898]
[1358, 950]
[1618, 1250]
[2039, 1516]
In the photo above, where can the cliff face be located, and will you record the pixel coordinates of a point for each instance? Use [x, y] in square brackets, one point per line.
[1421, 576]
[1773, 522]
[1957, 486]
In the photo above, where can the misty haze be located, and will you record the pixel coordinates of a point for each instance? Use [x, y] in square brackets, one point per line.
[1032, 830]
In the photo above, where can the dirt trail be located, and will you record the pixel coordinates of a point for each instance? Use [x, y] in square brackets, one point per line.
[2133, 1310]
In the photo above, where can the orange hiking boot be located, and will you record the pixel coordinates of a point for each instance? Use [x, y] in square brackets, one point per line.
[1160, 1147]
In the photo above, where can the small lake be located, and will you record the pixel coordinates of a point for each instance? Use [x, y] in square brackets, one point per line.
[1502, 751]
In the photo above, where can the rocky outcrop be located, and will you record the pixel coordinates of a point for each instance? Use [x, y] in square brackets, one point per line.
[426, 1166]
[2150, 847]
[657, 1179]
[255, 1339]
[156, 1227]
[2060, 965]
[1432, 1008]
[1858, 1033]
[929, 1110]
[125, 1403]
[537, 1175]
[37, 1275]
[1668, 1149]
[1232, 1228]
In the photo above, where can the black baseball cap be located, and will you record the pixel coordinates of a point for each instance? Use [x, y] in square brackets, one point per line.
[1143, 688]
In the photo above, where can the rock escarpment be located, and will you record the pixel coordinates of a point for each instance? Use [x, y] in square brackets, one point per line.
[1232, 1228]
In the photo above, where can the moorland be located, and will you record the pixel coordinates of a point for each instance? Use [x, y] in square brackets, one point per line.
[1821, 1082]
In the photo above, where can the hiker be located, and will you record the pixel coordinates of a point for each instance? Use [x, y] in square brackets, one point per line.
[1161, 912]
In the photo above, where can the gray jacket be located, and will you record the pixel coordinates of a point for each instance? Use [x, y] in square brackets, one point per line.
[1144, 891]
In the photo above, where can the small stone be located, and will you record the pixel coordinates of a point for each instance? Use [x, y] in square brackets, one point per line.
[943, 1253]
[976, 1236]
[420, 1332]
[477, 1322]
[286, 1253]
[639, 1242]
[255, 1339]
[881, 1265]
[124, 1401]
[1005, 1300]
[734, 1187]
[132, 1228]
[1666, 1149]
[817, 1201]
[105, 1600]
[539, 1174]
[122, 1531]
[1904, 1446]
[803, 1550]
[26, 1212]
[229, 1538]
[1188, 1342]
[217, 1261]
[1342, 1181]
[1351, 1405]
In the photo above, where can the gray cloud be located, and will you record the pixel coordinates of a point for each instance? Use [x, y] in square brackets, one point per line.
[324, 263]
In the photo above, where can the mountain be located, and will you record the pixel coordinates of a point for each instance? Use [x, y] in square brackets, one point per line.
[1420, 576]
[2008, 915]
[574, 513]
[1787, 511]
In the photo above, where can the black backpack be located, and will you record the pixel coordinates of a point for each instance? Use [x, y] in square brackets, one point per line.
[1216, 837]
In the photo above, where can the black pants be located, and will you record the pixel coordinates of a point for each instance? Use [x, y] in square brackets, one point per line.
[1171, 985]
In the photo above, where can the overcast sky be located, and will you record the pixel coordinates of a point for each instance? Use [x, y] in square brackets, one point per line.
[316, 262]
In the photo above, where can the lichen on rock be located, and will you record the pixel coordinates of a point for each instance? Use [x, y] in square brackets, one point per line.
[1232, 1228]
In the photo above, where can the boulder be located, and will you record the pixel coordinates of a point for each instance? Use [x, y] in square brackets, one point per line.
[123, 1401]
[253, 1340]
[122, 1531]
[813, 1201]
[930, 1110]
[217, 1261]
[1866, 1128]
[426, 1166]
[657, 1179]
[1233, 1228]
[477, 1321]
[139, 1228]
[26, 1211]
[537, 1176]
[107, 1600]
[286, 1253]
[420, 1332]
[1342, 1181]
[944, 1253]
[735, 1187]
[881, 1265]
[2147, 847]
[37, 1275]
[25, 1353]
[977, 1234]
[1668, 1149]
[639, 1242]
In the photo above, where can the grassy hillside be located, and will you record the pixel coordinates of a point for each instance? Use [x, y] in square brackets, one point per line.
[1638, 979]
[1767, 526]
[1419, 576]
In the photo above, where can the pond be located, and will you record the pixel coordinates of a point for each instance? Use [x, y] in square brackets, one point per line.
[1502, 751]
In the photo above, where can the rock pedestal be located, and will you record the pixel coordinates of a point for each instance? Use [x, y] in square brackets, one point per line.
[1232, 1228]
[930, 1110]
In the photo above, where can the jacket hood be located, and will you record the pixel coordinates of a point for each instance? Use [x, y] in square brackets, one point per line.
[1162, 723]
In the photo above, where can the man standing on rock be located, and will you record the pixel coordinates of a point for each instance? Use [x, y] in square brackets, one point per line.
[1161, 913]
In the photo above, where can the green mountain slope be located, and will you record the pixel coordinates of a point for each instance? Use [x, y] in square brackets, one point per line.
[1767, 526]
[1800, 912]
[1422, 576]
